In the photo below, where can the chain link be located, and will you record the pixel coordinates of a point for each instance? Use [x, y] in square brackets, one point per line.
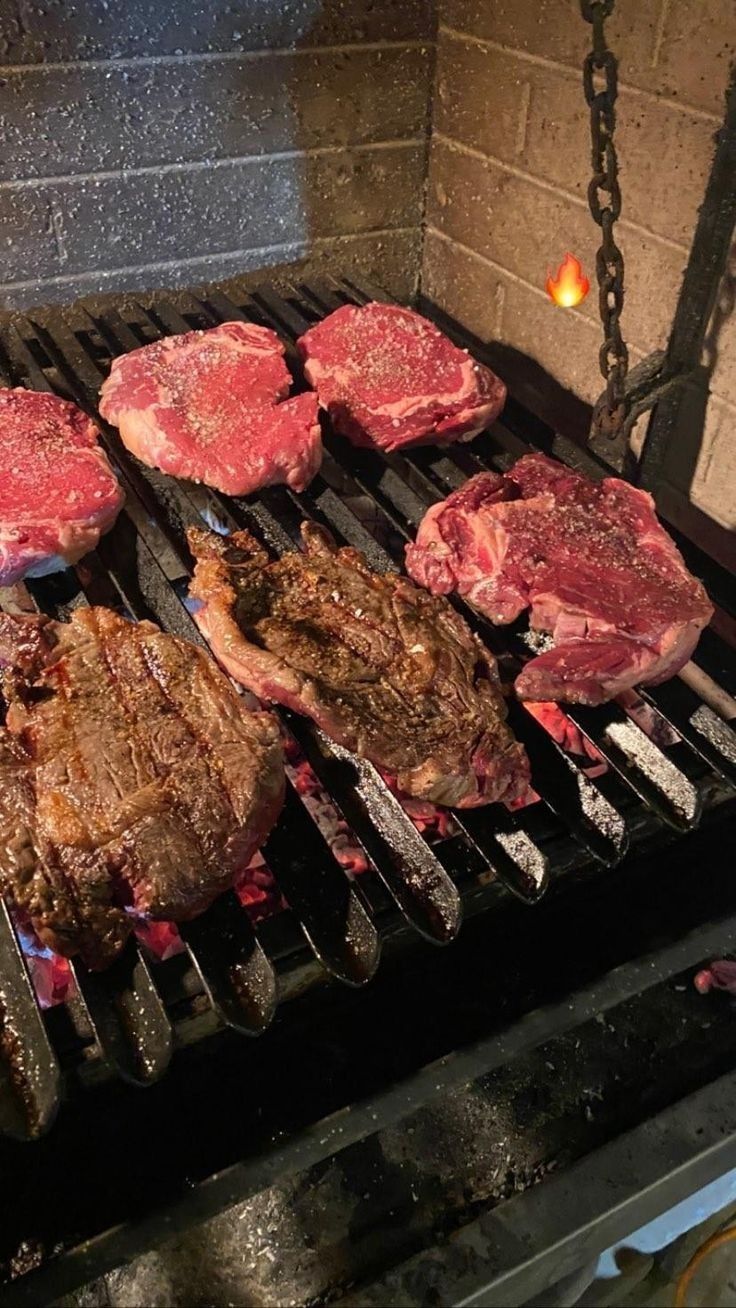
[604, 198]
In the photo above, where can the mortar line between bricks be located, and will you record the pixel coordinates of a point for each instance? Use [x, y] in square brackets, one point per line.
[199, 165]
[520, 281]
[544, 185]
[308, 245]
[664, 9]
[209, 56]
[555, 66]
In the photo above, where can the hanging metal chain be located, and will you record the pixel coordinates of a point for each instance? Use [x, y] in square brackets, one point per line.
[604, 198]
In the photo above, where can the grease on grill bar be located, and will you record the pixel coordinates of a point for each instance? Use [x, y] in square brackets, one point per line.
[236, 974]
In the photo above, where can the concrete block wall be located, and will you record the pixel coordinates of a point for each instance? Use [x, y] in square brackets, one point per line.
[171, 144]
[509, 167]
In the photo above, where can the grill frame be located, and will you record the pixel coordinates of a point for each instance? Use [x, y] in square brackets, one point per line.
[140, 1053]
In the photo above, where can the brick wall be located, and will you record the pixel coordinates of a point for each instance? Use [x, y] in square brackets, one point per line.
[509, 166]
[179, 142]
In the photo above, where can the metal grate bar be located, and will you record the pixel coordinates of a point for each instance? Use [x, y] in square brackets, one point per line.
[707, 733]
[29, 1071]
[237, 977]
[127, 1016]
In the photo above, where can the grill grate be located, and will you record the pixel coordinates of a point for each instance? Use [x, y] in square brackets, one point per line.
[119, 1017]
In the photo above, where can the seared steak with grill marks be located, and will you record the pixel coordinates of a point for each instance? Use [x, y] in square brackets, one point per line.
[592, 562]
[132, 779]
[385, 669]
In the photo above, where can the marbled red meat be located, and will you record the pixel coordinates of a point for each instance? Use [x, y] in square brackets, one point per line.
[58, 493]
[591, 561]
[211, 406]
[389, 378]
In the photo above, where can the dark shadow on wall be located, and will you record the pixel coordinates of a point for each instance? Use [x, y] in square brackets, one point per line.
[675, 435]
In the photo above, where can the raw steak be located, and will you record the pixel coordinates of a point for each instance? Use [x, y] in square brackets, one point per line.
[386, 670]
[590, 560]
[132, 779]
[211, 406]
[58, 493]
[390, 378]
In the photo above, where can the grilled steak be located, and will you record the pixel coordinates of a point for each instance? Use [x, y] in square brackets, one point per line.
[211, 406]
[592, 562]
[132, 779]
[390, 378]
[58, 493]
[383, 668]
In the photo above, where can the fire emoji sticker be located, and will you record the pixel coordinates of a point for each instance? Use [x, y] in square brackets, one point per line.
[570, 286]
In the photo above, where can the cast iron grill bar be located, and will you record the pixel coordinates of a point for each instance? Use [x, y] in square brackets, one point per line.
[344, 940]
[388, 479]
[127, 1015]
[29, 1071]
[707, 733]
[237, 977]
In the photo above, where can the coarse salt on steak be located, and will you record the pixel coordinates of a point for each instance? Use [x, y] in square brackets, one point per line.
[133, 779]
[211, 406]
[385, 669]
[389, 378]
[590, 560]
[58, 493]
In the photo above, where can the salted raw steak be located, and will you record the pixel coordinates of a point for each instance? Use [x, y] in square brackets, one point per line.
[591, 562]
[211, 406]
[385, 669]
[133, 780]
[389, 378]
[58, 493]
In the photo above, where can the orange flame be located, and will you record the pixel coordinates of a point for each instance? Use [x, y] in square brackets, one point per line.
[570, 286]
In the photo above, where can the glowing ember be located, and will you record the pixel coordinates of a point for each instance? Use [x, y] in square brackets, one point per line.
[570, 286]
